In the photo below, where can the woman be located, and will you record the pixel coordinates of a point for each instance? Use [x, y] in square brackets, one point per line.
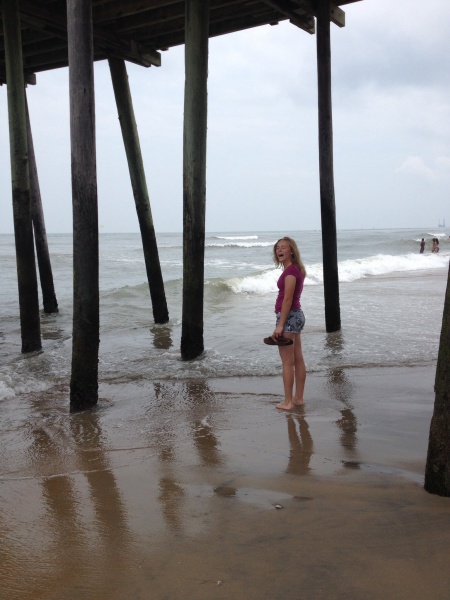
[290, 320]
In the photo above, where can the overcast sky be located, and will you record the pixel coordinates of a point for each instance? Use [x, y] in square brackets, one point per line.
[391, 121]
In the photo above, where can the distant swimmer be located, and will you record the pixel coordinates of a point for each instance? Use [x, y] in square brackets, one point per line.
[422, 246]
[433, 247]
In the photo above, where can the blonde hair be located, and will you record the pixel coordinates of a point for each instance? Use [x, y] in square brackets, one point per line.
[295, 254]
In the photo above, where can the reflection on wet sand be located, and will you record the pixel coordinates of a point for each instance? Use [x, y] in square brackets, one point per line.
[171, 492]
[104, 493]
[61, 500]
[200, 396]
[162, 336]
[173, 488]
[171, 496]
[340, 388]
[84, 527]
[301, 445]
[198, 402]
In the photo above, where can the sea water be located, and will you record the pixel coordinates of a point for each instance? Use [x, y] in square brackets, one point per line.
[391, 301]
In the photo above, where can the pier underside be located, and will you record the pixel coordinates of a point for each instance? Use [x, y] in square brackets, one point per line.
[138, 30]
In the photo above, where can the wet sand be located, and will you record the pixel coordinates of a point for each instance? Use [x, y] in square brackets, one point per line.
[202, 489]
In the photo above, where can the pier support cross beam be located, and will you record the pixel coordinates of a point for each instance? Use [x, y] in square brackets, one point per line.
[85, 338]
[139, 185]
[194, 175]
[327, 199]
[21, 196]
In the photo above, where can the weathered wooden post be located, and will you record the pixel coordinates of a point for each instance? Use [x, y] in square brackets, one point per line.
[85, 340]
[194, 175]
[21, 198]
[437, 471]
[139, 185]
[40, 234]
[327, 200]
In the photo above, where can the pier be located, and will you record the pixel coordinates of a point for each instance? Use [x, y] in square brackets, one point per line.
[41, 35]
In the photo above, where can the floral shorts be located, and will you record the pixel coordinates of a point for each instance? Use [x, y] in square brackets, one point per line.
[295, 321]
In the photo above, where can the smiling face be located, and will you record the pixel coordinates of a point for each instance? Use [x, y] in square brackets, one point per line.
[283, 252]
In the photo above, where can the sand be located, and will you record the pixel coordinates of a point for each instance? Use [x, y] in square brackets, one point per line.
[203, 490]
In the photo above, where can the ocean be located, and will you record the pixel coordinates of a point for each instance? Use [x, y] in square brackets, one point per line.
[391, 300]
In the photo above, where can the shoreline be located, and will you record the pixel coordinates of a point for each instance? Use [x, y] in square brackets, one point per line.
[197, 489]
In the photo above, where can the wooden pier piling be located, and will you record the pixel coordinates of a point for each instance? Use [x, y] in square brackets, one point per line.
[139, 185]
[21, 197]
[85, 338]
[194, 175]
[437, 471]
[327, 199]
[40, 235]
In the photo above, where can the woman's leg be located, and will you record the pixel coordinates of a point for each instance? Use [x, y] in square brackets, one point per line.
[300, 371]
[287, 355]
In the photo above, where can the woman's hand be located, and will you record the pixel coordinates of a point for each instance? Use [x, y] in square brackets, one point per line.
[278, 331]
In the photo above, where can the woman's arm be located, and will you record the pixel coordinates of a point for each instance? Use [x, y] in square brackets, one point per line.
[289, 289]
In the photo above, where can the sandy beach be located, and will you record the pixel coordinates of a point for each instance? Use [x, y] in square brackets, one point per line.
[201, 489]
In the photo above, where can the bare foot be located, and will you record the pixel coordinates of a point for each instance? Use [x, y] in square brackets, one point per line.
[298, 402]
[285, 405]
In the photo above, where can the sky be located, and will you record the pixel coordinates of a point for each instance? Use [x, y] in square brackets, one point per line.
[391, 126]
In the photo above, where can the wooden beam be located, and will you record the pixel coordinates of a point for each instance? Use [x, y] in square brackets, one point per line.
[29, 78]
[140, 191]
[112, 46]
[303, 21]
[217, 28]
[109, 12]
[327, 199]
[40, 234]
[85, 332]
[337, 15]
[343, 2]
[21, 197]
[437, 470]
[194, 176]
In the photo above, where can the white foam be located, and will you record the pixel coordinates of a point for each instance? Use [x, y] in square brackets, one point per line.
[349, 270]
[263, 283]
[385, 264]
[14, 384]
[6, 391]
[236, 237]
[438, 235]
[235, 244]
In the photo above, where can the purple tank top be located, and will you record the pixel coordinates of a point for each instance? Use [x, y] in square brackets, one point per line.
[299, 279]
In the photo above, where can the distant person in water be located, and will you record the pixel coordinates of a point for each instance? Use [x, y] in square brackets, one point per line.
[290, 320]
[422, 246]
[437, 245]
